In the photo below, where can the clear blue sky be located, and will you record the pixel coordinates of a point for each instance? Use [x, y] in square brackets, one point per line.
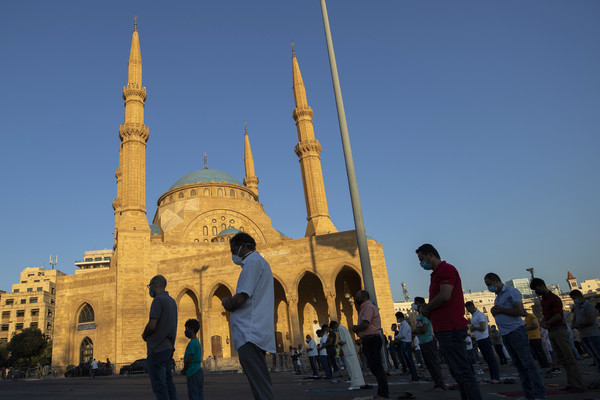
[474, 125]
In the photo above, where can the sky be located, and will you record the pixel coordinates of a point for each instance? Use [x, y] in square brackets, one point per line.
[474, 125]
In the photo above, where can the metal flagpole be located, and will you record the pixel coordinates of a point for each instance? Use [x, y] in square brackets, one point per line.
[361, 236]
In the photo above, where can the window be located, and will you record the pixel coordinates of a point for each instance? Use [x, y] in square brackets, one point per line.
[49, 313]
[205, 231]
[20, 313]
[4, 327]
[86, 314]
[223, 226]
[196, 240]
[33, 325]
[214, 231]
[52, 290]
[181, 195]
[16, 291]
[48, 326]
[243, 195]
[219, 192]
[23, 301]
[35, 312]
[19, 326]
[171, 198]
[5, 314]
[207, 192]
[39, 289]
[33, 299]
[9, 302]
[98, 259]
[106, 258]
[193, 192]
[29, 289]
[36, 281]
[232, 193]
[89, 259]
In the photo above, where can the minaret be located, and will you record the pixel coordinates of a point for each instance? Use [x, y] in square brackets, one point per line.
[130, 204]
[250, 180]
[308, 150]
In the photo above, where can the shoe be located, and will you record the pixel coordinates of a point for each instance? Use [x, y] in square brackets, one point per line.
[335, 380]
[354, 388]
[366, 386]
[346, 381]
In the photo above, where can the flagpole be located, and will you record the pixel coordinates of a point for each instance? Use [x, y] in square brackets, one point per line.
[361, 237]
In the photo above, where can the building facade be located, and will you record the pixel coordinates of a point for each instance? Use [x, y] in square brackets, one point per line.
[30, 304]
[102, 312]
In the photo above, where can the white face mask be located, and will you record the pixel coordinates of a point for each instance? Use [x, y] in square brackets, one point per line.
[236, 257]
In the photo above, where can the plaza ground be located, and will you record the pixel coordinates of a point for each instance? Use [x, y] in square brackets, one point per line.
[286, 385]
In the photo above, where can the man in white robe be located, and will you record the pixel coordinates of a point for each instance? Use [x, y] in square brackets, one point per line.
[352, 362]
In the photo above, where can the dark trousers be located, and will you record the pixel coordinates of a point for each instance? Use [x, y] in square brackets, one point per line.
[313, 365]
[559, 339]
[500, 352]
[487, 351]
[332, 362]
[195, 386]
[372, 350]
[408, 358]
[538, 351]
[593, 345]
[517, 345]
[452, 344]
[431, 361]
[400, 357]
[161, 379]
[394, 355]
[252, 360]
[326, 366]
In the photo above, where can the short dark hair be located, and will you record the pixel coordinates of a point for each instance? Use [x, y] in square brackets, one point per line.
[576, 293]
[419, 300]
[469, 304]
[333, 324]
[244, 239]
[400, 314]
[491, 276]
[426, 249]
[193, 324]
[535, 282]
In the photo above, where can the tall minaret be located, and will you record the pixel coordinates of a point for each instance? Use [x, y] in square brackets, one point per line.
[308, 150]
[250, 180]
[130, 204]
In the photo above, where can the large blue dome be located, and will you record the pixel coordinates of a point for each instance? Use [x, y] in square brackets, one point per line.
[205, 175]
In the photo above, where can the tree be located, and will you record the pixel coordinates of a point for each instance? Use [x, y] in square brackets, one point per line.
[26, 346]
[3, 354]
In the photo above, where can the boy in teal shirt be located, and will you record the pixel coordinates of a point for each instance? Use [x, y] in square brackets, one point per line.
[192, 362]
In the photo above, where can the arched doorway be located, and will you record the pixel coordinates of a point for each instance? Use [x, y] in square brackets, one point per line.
[187, 308]
[86, 350]
[282, 318]
[347, 283]
[312, 304]
[221, 344]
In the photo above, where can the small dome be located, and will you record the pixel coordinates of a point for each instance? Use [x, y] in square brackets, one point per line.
[228, 231]
[205, 175]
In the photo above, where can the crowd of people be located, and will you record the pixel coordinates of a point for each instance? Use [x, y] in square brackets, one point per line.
[439, 333]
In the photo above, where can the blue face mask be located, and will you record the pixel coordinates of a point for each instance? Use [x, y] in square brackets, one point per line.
[492, 288]
[426, 266]
[415, 307]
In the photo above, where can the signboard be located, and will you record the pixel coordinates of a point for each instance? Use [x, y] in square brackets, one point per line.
[85, 327]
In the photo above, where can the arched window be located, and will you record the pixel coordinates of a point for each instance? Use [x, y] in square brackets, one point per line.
[232, 193]
[171, 198]
[223, 226]
[243, 195]
[214, 231]
[220, 192]
[181, 195]
[86, 314]
[196, 240]
[86, 350]
[207, 192]
[205, 231]
[193, 192]
[241, 229]
[206, 240]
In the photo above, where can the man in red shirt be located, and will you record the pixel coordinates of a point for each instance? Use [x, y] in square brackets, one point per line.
[446, 312]
[368, 328]
[552, 310]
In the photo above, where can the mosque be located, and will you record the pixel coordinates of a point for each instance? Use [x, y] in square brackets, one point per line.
[101, 312]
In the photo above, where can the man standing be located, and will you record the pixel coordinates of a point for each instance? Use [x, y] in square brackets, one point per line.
[446, 311]
[586, 322]
[559, 337]
[479, 327]
[347, 347]
[368, 330]
[508, 310]
[498, 345]
[312, 355]
[159, 336]
[424, 332]
[534, 336]
[330, 347]
[404, 345]
[322, 335]
[252, 318]
[94, 368]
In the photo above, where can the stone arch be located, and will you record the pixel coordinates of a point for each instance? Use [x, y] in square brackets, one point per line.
[86, 350]
[347, 282]
[283, 329]
[312, 303]
[219, 343]
[187, 308]
[86, 314]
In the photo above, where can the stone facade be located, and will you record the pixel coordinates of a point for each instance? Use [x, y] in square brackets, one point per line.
[316, 276]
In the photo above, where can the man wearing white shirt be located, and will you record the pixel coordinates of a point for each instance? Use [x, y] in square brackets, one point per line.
[479, 327]
[252, 317]
[312, 354]
[404, 344]
[323, 352]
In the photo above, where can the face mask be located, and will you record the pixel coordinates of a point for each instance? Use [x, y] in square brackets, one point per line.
[307, 340]
[539, 293]
[236, 257]
[188, 334]
[425, 265]
[577, 302]
[150, 292]
[415, 307]
[492, 288]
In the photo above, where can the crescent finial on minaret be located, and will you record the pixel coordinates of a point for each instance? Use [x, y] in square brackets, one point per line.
[135, 18]
[293, 51]
[205, 167]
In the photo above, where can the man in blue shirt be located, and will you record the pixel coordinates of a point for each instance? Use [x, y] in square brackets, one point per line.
[192, 361]
[508, 310]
